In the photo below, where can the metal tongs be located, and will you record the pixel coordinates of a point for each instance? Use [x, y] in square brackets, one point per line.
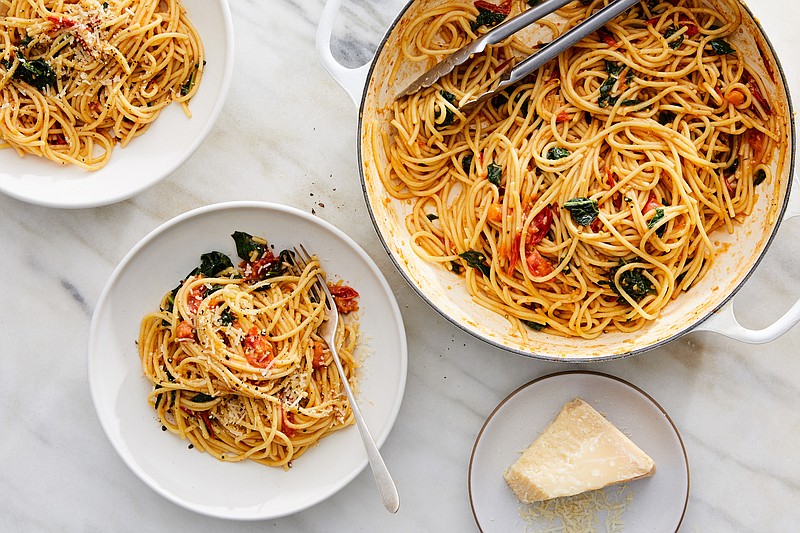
[549, 51]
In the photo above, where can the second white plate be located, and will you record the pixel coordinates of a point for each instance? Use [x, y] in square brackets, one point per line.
[658, 503]
[197, 481]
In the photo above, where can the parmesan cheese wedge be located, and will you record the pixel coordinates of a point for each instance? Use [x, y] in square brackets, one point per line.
[579, 451]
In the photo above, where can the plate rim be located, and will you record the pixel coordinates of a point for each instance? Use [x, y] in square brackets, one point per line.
[110, 285]
[69, 202]
[572, 372]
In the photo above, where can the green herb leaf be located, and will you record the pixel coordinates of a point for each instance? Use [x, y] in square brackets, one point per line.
[202, 397]
[187, 86]
[494, 173]
[633, 282]
[486, 18]
[466, 164]
[449, 116]
[247, 247]
[477, 260]
[614, 69]
[432, 217]
[279, 267]
[226, 317]
[630, 102]
[557, 152]
[733, 167]
[213, 263]
[721, 47]
[655, 220]
[666, 117]
[37, 73]
[759, 176]
[457, 268]
[669, 33]
[534, 325]
[583, 210]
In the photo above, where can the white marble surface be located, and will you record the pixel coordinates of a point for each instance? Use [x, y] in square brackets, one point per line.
[737, 406]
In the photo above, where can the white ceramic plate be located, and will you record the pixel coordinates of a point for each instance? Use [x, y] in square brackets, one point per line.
[196, 480]
[148, 159]
[658, 503]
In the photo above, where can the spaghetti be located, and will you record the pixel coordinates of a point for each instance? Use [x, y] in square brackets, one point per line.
[76, 78]
[581, 200]
[236, 363]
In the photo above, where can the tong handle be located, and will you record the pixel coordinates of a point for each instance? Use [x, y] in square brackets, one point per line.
[513, 25]
[555, 47]
[570, 38]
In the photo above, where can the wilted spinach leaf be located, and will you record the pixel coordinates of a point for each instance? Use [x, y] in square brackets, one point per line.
[477, 260]
[583, 210]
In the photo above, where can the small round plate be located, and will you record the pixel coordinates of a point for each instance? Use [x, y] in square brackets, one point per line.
[197, 481]
[658, 503]
[149, 158]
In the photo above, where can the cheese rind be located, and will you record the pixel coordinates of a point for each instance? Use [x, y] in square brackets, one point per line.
[579, 451]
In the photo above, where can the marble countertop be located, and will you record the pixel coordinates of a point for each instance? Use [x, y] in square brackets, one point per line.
[736, 405]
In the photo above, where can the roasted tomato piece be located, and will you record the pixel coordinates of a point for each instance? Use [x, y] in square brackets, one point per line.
[257, 348]
[538, 266]
[344, 297]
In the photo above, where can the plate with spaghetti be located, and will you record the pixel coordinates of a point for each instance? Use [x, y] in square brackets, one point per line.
[657, 503]
[208, 375]
[102, 100]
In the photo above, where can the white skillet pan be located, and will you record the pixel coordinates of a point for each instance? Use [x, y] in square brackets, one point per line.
[707, 307]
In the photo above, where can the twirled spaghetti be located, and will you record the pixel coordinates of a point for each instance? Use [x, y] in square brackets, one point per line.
[76, 78]
[236, 362]
[581, 200]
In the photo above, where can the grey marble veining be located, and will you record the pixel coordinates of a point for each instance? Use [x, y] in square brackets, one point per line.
[737, 406]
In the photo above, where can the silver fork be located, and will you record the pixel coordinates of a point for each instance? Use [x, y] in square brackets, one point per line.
[383, 480]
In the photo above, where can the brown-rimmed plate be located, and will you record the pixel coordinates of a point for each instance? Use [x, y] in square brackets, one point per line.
[655, 504]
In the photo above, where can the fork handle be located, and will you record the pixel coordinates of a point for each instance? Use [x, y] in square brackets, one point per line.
[383, 480]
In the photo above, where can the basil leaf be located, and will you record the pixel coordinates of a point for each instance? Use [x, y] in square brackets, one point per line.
[759, 176]
[733, 167]
[279, 267]
[494, 173]
[37, 73]
[486, 18]
[721, 47]
[633, 282]
[583, 210]
[201, 397]
[666, 117]
[477, 260]
[557, 152]
[614, 69]
[213, 263]
[669, 33]
[534, 325]
[247, 247]
[226, 317]
[457, 268]
[187, 86]
[630, 102]
[466, 163]
[432, 217]
[449, 116]
[655, 220]
[605, 92]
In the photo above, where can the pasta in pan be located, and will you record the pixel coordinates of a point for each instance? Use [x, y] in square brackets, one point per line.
[583, 199]
[236, 363]
[77, 78]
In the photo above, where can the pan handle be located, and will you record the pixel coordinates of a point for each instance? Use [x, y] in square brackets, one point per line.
[352, 80]
[724, 321]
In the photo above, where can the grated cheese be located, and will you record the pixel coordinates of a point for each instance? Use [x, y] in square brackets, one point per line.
[589, 512]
